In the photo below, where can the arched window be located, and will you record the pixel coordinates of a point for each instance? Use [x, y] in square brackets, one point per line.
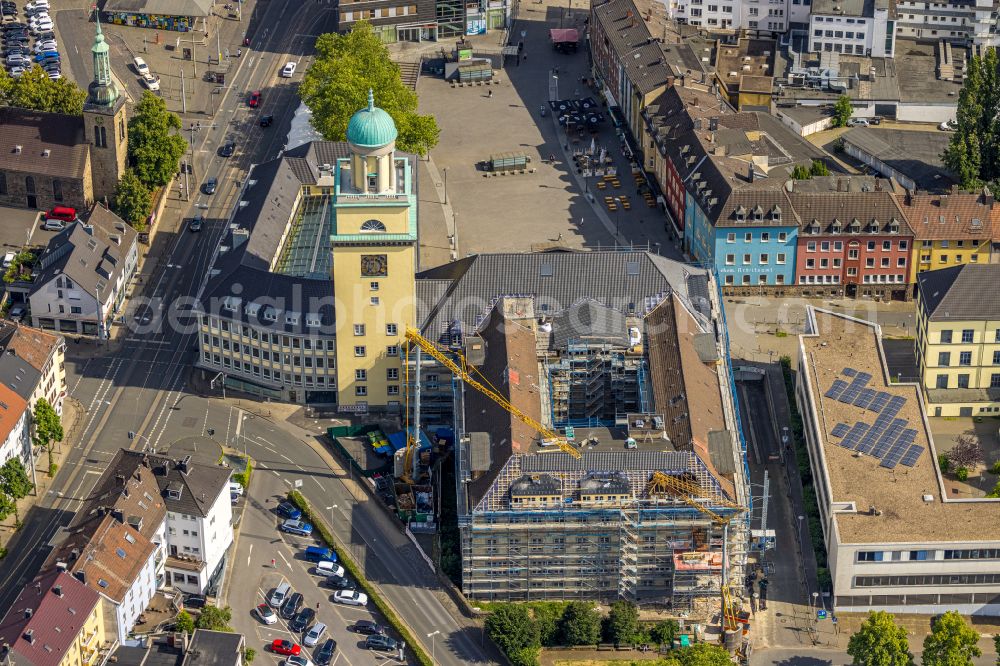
[372, 226]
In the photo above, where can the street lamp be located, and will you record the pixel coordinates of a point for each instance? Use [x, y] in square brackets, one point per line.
[431, 636]
[445, 185]
[556, 77]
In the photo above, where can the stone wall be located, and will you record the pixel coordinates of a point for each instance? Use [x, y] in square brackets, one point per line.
[76, 193]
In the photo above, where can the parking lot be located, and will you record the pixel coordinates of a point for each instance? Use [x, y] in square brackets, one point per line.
[254, 579]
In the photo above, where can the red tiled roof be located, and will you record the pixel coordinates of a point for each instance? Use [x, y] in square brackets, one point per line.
[53, 608]
[32, 344]
[12, 407]
[961, 215]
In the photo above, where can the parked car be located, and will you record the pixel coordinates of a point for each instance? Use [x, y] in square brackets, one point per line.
[196, 222]
[298, 660]
[141, 68]
[265, 614]
[265, 121]
[318, 554]
[227, 149]
[45, 45]
[285, 647]
[875, 120]
[16, 313]
[367, 627]
[289, 510]
[857, 122]
[324, 655]
[194, 601]
[64, 213]
[314, 635]
[339, 583]
[302, 619]
[328, 568]
[291, 607]
[288, 70]
[235, 487]
[254, 101]
[209, 188]
[279, 594]
[351, 598]
[296, 527]
[380, 642]
[948, 126]
[53, 225]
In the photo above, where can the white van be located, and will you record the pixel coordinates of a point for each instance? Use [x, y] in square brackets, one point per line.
[235, 488]
[141, 68]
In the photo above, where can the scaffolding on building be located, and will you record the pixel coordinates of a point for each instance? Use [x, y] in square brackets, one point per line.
[595, 384]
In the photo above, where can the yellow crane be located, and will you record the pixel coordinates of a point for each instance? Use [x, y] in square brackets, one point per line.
[689, 492]
[413, 337]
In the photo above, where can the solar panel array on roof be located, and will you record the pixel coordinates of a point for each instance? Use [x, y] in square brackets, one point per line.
[888, 438]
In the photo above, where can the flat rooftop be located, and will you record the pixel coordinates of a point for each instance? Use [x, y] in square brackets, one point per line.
[19, 227]
[913, 153]
[841, 343]
[916, 73]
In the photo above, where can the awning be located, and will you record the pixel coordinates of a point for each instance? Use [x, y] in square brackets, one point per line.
[560, 35]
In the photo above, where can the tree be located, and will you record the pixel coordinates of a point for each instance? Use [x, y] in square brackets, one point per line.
[185, 622]
[951, 642]
[6, 86]
[842, 111]
[880, 642]
[511, 628]
[581, 624]
[623, 622]
[801, 172]
[7, 506]
[996, 647]
[336, 85]
[48, 427]
[546, 617]
[215, 618]
[35, 90]
[968, 451]
[665, 632]
[15, 483]
[703, 654]
[249, 654]
[973, 153]
[133, 200]
[819, 168]
[154, 145]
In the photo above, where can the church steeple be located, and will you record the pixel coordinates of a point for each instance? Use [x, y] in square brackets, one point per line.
[102, 90]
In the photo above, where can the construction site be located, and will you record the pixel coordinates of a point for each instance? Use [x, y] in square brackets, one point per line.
[598, 453]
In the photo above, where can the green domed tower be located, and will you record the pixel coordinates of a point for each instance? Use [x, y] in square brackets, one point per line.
[371, 134]
[104, 122]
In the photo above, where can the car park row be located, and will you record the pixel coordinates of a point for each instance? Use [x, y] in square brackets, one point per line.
[19, 57]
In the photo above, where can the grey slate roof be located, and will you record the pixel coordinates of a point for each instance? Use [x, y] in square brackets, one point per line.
[19, 375]
[243, 269]
[961, 293]
[627, 281]
[610, 461]
[36, 131]
[537, 484]
[588, 321]
[614, 483]
[635, 49]
[200, 484]
[92, 258]
[214, 648]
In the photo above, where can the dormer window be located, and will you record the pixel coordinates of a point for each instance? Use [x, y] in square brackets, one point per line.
[252, 309]
[292, 318]
[758, 214]
[270, 314]
[873, 227]
[741, 214]
[894, 226]
[776, 214]
[855, 226]
[231, 303]
[372, 226]
[313, 320]
[814, 227]
[836, 227]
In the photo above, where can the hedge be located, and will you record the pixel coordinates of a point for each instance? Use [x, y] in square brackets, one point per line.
[345, 560]
[243, 478]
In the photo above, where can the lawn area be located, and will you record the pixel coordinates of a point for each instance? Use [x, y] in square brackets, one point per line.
[596, 662]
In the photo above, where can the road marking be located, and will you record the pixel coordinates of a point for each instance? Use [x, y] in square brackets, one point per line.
[282, 556]
[319, 484]
[275, 472]
[287, 458]
[249, 552]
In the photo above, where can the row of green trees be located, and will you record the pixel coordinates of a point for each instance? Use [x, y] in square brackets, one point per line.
[521, 630]
[880, 641]
[973, 153]
[15, 482]
[35, 90]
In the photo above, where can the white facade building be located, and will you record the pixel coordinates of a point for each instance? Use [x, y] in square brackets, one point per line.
[895, 540]
[15, 438]
[853, 27]
[764, 16]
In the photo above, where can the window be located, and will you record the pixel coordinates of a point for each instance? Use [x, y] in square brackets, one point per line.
[392, 374]
[886, 246]
[811, 246]
[996, 358]
[900, 262]
[730, 259]
[75, 309]
[963, 381]
[392, 350]
[359, 350]
[763, 259]
[870, 556]
[941, 381]
[780, 258]
[968, 335]
[782, 236]
[871, 246]
[747, 259]
[995, 380]
[390, 329]
[918, 555]
[870, 262]
[946, 337]
[765, 237]
[392, 389]
[965, 358]
[730, 238]
[372, 226]
[374, 300]
[852, 271]
[730, 279]
[885, 262]
[745, 280]
[373, 286]
[944, 258]
[360, 375]
[903, 245]
[748, 237]
[3, 183]
[810, 263]
[57, 190]
[944, 359]
[824, 246]
[359, 329]
[360, 389]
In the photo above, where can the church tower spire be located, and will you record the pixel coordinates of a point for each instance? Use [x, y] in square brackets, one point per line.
[102, 90]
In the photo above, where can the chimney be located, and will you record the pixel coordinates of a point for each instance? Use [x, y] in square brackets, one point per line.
[750, 172]
[954, 188]
[29, 635]
[713, 123]
[840, 184]
[58, 590]
[908, 199]
[987, 197]
[28, 612]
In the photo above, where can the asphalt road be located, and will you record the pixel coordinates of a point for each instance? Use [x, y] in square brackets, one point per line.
[141, 386]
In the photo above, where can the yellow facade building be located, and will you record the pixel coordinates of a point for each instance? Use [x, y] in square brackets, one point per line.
[55, 621]
[958, 339]
[949, 229]
[313, 287]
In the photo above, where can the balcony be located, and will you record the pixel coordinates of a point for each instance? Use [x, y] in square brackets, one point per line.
[186, 563]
